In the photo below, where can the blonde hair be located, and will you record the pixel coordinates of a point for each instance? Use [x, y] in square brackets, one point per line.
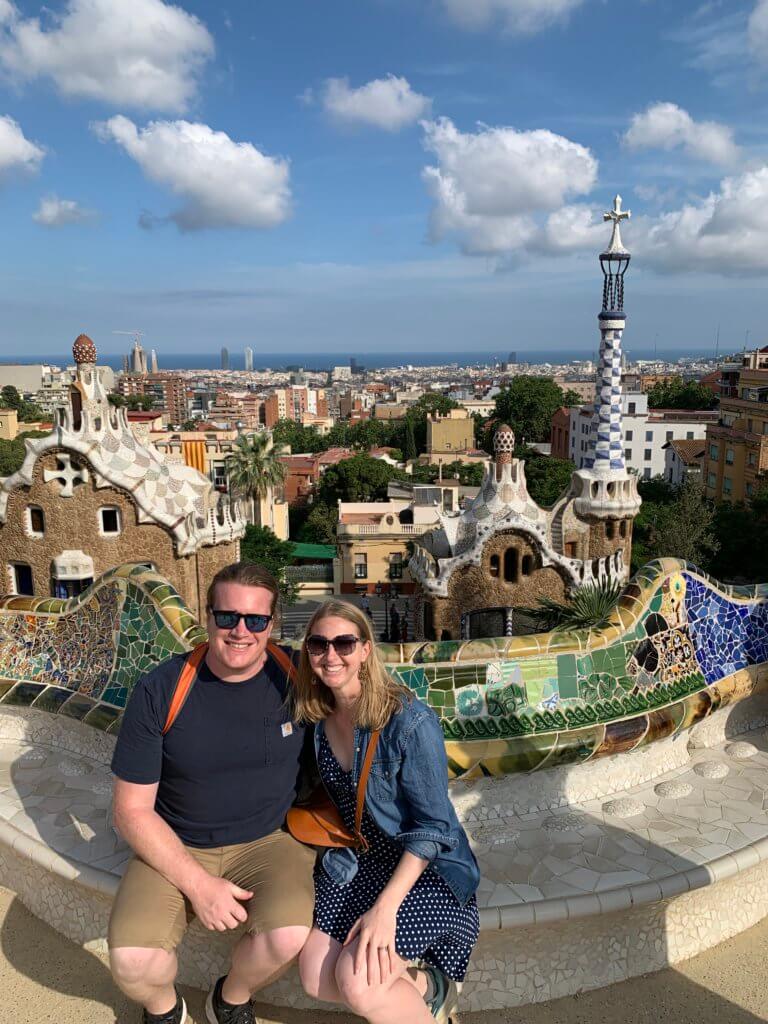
[381, 696]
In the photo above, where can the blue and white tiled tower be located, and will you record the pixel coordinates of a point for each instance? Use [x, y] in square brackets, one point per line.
[604, 488]
[606, 444]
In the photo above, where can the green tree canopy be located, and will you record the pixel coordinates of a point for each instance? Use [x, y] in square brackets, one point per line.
[10, 397]
[528, 405]
[139, 403]
[680, 524]
[547, 477]
[12, 452]
[261, 545]
[300, 439]
[27, 412]
[360, 478]
[680, 394]
[319, 526]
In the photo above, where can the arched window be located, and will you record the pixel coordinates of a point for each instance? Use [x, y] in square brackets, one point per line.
[623, 527]
[494, 566]
[511, 565]
[610, 529]
[527, 565]
[406, 516]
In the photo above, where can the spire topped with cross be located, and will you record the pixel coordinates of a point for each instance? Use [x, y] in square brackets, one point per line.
[617, 215]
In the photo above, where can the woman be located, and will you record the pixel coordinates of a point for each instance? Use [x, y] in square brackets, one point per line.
[411, 896]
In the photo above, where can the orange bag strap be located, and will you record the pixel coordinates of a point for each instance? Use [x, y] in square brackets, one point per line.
[282, 659]
[362, 785]
[184, 683]
[191, 667]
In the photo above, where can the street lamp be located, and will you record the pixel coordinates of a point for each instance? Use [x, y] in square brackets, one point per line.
[391, 594]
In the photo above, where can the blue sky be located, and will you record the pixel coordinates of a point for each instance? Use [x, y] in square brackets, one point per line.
[368, 175]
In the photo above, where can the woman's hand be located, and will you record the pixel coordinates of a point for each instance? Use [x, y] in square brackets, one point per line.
[375, 952]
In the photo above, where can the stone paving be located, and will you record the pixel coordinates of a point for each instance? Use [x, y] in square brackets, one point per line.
[713, 811]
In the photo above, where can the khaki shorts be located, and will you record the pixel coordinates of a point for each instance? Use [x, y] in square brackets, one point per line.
[150, 912]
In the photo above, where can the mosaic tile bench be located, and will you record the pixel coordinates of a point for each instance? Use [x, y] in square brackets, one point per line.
[614, 784]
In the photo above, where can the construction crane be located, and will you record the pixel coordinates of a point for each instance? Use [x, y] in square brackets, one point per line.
[133, 334]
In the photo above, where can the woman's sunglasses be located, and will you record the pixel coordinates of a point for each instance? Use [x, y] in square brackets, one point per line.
[231, 620]
[344, 645]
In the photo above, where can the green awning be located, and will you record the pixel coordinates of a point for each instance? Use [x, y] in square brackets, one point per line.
[319, 552]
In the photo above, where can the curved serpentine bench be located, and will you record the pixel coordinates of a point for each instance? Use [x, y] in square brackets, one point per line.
[627, 844]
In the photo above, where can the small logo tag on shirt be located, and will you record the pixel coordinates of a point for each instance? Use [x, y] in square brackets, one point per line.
[286, 729]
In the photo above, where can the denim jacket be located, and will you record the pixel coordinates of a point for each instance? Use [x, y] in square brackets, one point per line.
[407, 797]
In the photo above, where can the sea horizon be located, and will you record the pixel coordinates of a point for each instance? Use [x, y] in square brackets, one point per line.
[309, 361]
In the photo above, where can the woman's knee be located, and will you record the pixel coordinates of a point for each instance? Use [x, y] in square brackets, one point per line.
[359, 996]
[132, 965]
[311, 975]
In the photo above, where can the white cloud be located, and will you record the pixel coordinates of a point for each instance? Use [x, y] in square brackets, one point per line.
[667, 126]
[724, 233]
[140, 53]
[758, 30]
[17, 153]
[522, 17]
[223, 183]
[389, 103]
[57, 213]
[489, 186]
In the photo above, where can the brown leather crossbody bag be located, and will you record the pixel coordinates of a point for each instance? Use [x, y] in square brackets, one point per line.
[317, 822]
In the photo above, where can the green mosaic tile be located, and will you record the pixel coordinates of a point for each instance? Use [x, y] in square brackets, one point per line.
[52, 698]
[567, 677]
[22, 694]
[77, 706]
[102, 717]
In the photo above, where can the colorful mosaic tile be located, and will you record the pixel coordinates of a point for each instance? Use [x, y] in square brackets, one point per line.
[506, 704]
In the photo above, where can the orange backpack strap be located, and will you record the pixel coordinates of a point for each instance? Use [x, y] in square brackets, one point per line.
[283, 659]
[184, 683]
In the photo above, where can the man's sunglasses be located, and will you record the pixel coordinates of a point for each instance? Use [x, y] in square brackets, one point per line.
[231, 620]
[344, 645]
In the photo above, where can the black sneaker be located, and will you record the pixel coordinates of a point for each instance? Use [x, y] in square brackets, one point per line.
[177, 1015]
[219, 1012]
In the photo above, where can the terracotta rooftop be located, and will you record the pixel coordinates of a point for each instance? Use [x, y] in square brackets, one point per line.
[688, 450]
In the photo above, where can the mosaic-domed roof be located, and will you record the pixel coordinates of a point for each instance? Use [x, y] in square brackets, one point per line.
[504, 439]
[84, 350]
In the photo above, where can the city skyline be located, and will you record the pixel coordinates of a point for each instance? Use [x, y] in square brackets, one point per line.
[297, 180]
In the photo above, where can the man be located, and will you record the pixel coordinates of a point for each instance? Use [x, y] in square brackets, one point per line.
[203, 807]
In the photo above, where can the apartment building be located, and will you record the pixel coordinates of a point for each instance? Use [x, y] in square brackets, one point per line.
[168, 392]
[374, 538]
[646, 431]
[297, 402]
[736, 460]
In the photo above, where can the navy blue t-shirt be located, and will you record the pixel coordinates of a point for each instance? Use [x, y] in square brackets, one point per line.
[228, 767]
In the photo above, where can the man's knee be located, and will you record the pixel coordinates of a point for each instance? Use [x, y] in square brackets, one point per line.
[282, 945]
[134, 965]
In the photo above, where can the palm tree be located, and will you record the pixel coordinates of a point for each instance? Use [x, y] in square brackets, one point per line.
[590, 607]
[254, 468]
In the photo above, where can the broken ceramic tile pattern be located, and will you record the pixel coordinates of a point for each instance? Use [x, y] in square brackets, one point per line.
[505, 704]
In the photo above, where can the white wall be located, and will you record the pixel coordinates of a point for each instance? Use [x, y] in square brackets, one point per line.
[644, 437]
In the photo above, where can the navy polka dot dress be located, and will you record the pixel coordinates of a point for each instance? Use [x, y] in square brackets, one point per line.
[431, 924]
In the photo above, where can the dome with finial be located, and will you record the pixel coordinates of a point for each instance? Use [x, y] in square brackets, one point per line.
[504, 440]
[84, 350]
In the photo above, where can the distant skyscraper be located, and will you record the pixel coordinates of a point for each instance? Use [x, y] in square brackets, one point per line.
[125, 365]
[249, 359]
[512, 357]
[153, 361]
[225, 358]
